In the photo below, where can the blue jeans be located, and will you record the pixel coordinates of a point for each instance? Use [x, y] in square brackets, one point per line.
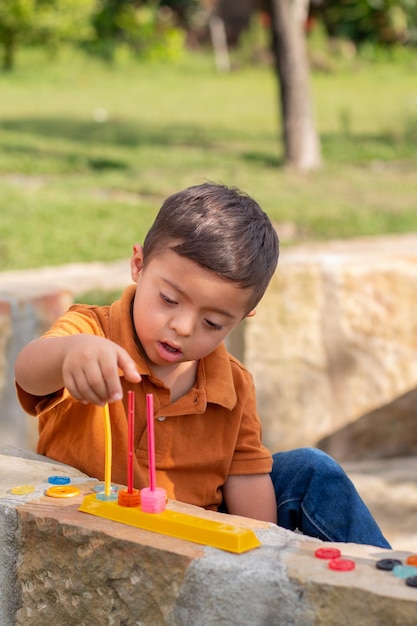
[315, 496]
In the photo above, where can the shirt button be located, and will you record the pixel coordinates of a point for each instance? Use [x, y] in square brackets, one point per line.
[161, 419]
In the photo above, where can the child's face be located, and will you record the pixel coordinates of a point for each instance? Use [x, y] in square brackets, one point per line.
[182, 311]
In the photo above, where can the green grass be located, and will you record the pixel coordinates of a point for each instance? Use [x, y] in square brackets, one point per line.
[73, 189]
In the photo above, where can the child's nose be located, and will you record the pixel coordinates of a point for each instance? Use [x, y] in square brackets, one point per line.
[183, 324]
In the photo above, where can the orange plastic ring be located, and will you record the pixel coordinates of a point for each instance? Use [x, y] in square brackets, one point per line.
[62, 491]
[412, 560]
[129, 499]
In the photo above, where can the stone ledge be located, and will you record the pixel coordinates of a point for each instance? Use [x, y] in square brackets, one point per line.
[25, 313]
[67, 567]
[30, 301]
[335, 338]
[77, 278]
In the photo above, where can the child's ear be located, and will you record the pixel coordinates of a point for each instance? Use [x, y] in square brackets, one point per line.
[251, 313]
[136, 262]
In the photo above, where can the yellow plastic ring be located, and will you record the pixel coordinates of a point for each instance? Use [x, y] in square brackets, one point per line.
[62, 491]
[22, 490]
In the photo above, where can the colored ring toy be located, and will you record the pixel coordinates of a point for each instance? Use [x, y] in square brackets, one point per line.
[22, 490]
[62, 491]
[59, 480]
[111, 497]
[101, 487]
[327, 553]
[387, 564]
[341, 565]
[129, 499]
[404, 571]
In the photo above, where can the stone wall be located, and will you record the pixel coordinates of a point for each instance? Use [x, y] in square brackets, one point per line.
[62, 566]
[335, 338]
[25, 313]
[30, 301]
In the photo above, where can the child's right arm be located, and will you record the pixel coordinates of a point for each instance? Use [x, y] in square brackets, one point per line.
[87, 365]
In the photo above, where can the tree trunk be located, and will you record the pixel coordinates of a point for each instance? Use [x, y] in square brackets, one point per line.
[301, 142]
[8, 51]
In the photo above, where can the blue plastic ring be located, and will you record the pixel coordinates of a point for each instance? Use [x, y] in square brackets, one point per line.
[59, 480]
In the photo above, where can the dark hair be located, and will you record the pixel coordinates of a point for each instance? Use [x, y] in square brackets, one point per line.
[222, 229]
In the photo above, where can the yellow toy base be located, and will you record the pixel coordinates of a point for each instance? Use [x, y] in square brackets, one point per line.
[183, 526]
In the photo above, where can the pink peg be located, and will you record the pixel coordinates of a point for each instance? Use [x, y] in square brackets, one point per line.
[153, 499]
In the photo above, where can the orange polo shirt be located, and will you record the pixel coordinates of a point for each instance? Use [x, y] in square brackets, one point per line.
[202, 438]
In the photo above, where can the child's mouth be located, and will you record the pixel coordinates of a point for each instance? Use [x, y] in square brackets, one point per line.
[169, 353]
[166, 346]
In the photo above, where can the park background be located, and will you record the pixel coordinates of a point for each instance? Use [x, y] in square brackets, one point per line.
[108, 107]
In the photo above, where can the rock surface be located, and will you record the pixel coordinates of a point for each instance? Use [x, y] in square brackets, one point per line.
[66, 567]
[388, 431]
[334, 338]
[389, 488]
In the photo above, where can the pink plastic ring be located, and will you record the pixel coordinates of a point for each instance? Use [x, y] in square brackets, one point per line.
[153, 501]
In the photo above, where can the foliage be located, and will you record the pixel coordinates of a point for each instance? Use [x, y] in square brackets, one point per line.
[380, 21]
[140, 29]
[115, 29]
[329, 54]
[62, 21]
[42, 21]
[184, 9]
[254, 44]
[15, 20]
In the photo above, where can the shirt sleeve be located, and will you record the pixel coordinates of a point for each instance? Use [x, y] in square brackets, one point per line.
[35, 405]
[250, 455]
[78, 319]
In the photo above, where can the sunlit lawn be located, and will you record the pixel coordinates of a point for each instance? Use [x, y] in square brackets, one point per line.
[74, 188]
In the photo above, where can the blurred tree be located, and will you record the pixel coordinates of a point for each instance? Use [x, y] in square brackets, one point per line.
[379, 21]
[146, 28]
[301, 142]
[183, 9]
[15, 21]
[237, 17]
[45, 22]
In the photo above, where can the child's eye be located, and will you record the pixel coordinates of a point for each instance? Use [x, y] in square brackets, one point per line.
[166, 299]
[212, 325]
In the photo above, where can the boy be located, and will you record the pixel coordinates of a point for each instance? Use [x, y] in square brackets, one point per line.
[204, 266]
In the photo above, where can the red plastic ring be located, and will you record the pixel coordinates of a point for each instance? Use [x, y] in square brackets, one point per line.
[327, 553]
[341, 565]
